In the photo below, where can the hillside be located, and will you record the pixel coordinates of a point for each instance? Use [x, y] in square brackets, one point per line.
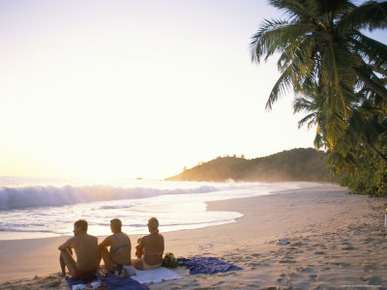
[301, 164]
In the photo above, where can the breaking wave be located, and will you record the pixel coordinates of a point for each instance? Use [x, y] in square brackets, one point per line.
[32, 196]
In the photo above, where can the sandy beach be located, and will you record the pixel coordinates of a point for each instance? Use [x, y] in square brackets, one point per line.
[337, 240]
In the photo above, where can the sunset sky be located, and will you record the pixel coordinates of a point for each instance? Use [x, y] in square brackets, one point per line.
[129, 88]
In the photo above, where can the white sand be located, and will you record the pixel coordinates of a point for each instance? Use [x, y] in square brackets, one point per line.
[337, 241]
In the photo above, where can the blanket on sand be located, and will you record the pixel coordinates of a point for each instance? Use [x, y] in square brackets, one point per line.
[206, 265]
[136, 281]
[110, 281]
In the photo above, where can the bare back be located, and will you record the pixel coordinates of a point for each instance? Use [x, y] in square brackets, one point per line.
[153, 246]
[120, 248]
[86, 249]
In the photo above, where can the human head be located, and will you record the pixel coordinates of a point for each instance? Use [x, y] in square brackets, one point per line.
[80, 227]
[153, 225]
[115, 225]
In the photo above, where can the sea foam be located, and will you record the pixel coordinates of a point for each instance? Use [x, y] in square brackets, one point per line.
[23, 197]
[30, 209]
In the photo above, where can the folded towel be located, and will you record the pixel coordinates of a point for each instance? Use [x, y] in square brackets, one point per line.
[207, 265]
[155, 275]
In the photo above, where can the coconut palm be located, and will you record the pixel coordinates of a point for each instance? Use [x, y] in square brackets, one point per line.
[360, 156]
[321, 46]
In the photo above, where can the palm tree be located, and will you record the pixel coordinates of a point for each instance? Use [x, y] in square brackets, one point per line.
[321, 47]
[367, 124]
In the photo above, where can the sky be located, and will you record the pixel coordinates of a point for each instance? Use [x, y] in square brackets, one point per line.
[128, 88]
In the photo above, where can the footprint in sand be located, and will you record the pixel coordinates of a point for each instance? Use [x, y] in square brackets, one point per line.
[206, 247]
[263, 263]
[298, 244]
[319, 253]
[282, 279]
[367, 267]
[375, 280]
[348, 248]
[332, 247]
[287, 261]
[256, 255]
[230, 273]
[305, 269]
[296, 250]
[217, 284]
[340, 264]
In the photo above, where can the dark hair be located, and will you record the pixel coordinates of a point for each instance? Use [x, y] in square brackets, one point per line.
[82, 224]
[116, 225]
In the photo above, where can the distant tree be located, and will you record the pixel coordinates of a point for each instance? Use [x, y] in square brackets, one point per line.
[293, 165]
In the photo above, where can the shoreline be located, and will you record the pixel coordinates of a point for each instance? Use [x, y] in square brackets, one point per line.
[335, 238]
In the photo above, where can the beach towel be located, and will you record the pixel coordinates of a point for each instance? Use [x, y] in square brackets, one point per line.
[110, 281]
[113, 282]
[207, 265]
[155, 275]
[76, 283]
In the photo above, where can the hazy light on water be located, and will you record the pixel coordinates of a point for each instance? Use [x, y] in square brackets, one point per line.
[178, 206]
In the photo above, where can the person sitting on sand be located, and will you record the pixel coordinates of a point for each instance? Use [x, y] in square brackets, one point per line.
[120, 248]
[150, 248]
[86, 249]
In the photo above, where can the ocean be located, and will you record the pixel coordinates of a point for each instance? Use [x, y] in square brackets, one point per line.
[46, 207]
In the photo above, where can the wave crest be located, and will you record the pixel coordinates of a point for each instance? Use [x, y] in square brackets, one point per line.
[32, 196]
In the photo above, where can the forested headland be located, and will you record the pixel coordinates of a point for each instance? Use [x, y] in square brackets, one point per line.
[301, 164]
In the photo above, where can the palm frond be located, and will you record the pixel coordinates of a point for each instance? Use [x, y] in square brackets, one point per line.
[370, 15]
[282, 85]
[310, 119]
[267, 40]
[329, 63]
[371, 50]
[292, 7]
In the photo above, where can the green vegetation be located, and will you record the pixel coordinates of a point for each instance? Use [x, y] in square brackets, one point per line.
[338, 75]
[293, 165]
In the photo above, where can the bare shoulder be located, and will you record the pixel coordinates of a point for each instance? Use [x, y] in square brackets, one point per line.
[93, 238]
[67, 243]
[108, 239]
[71, 239]
[84, 238]
[75, 241]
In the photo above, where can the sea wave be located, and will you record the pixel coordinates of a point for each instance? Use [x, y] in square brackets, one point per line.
[32, 196]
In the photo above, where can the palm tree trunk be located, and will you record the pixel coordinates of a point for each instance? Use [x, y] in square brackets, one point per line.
[376, 88]
[376, 151]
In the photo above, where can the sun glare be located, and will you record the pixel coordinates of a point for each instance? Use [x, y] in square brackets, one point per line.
[115, 94]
